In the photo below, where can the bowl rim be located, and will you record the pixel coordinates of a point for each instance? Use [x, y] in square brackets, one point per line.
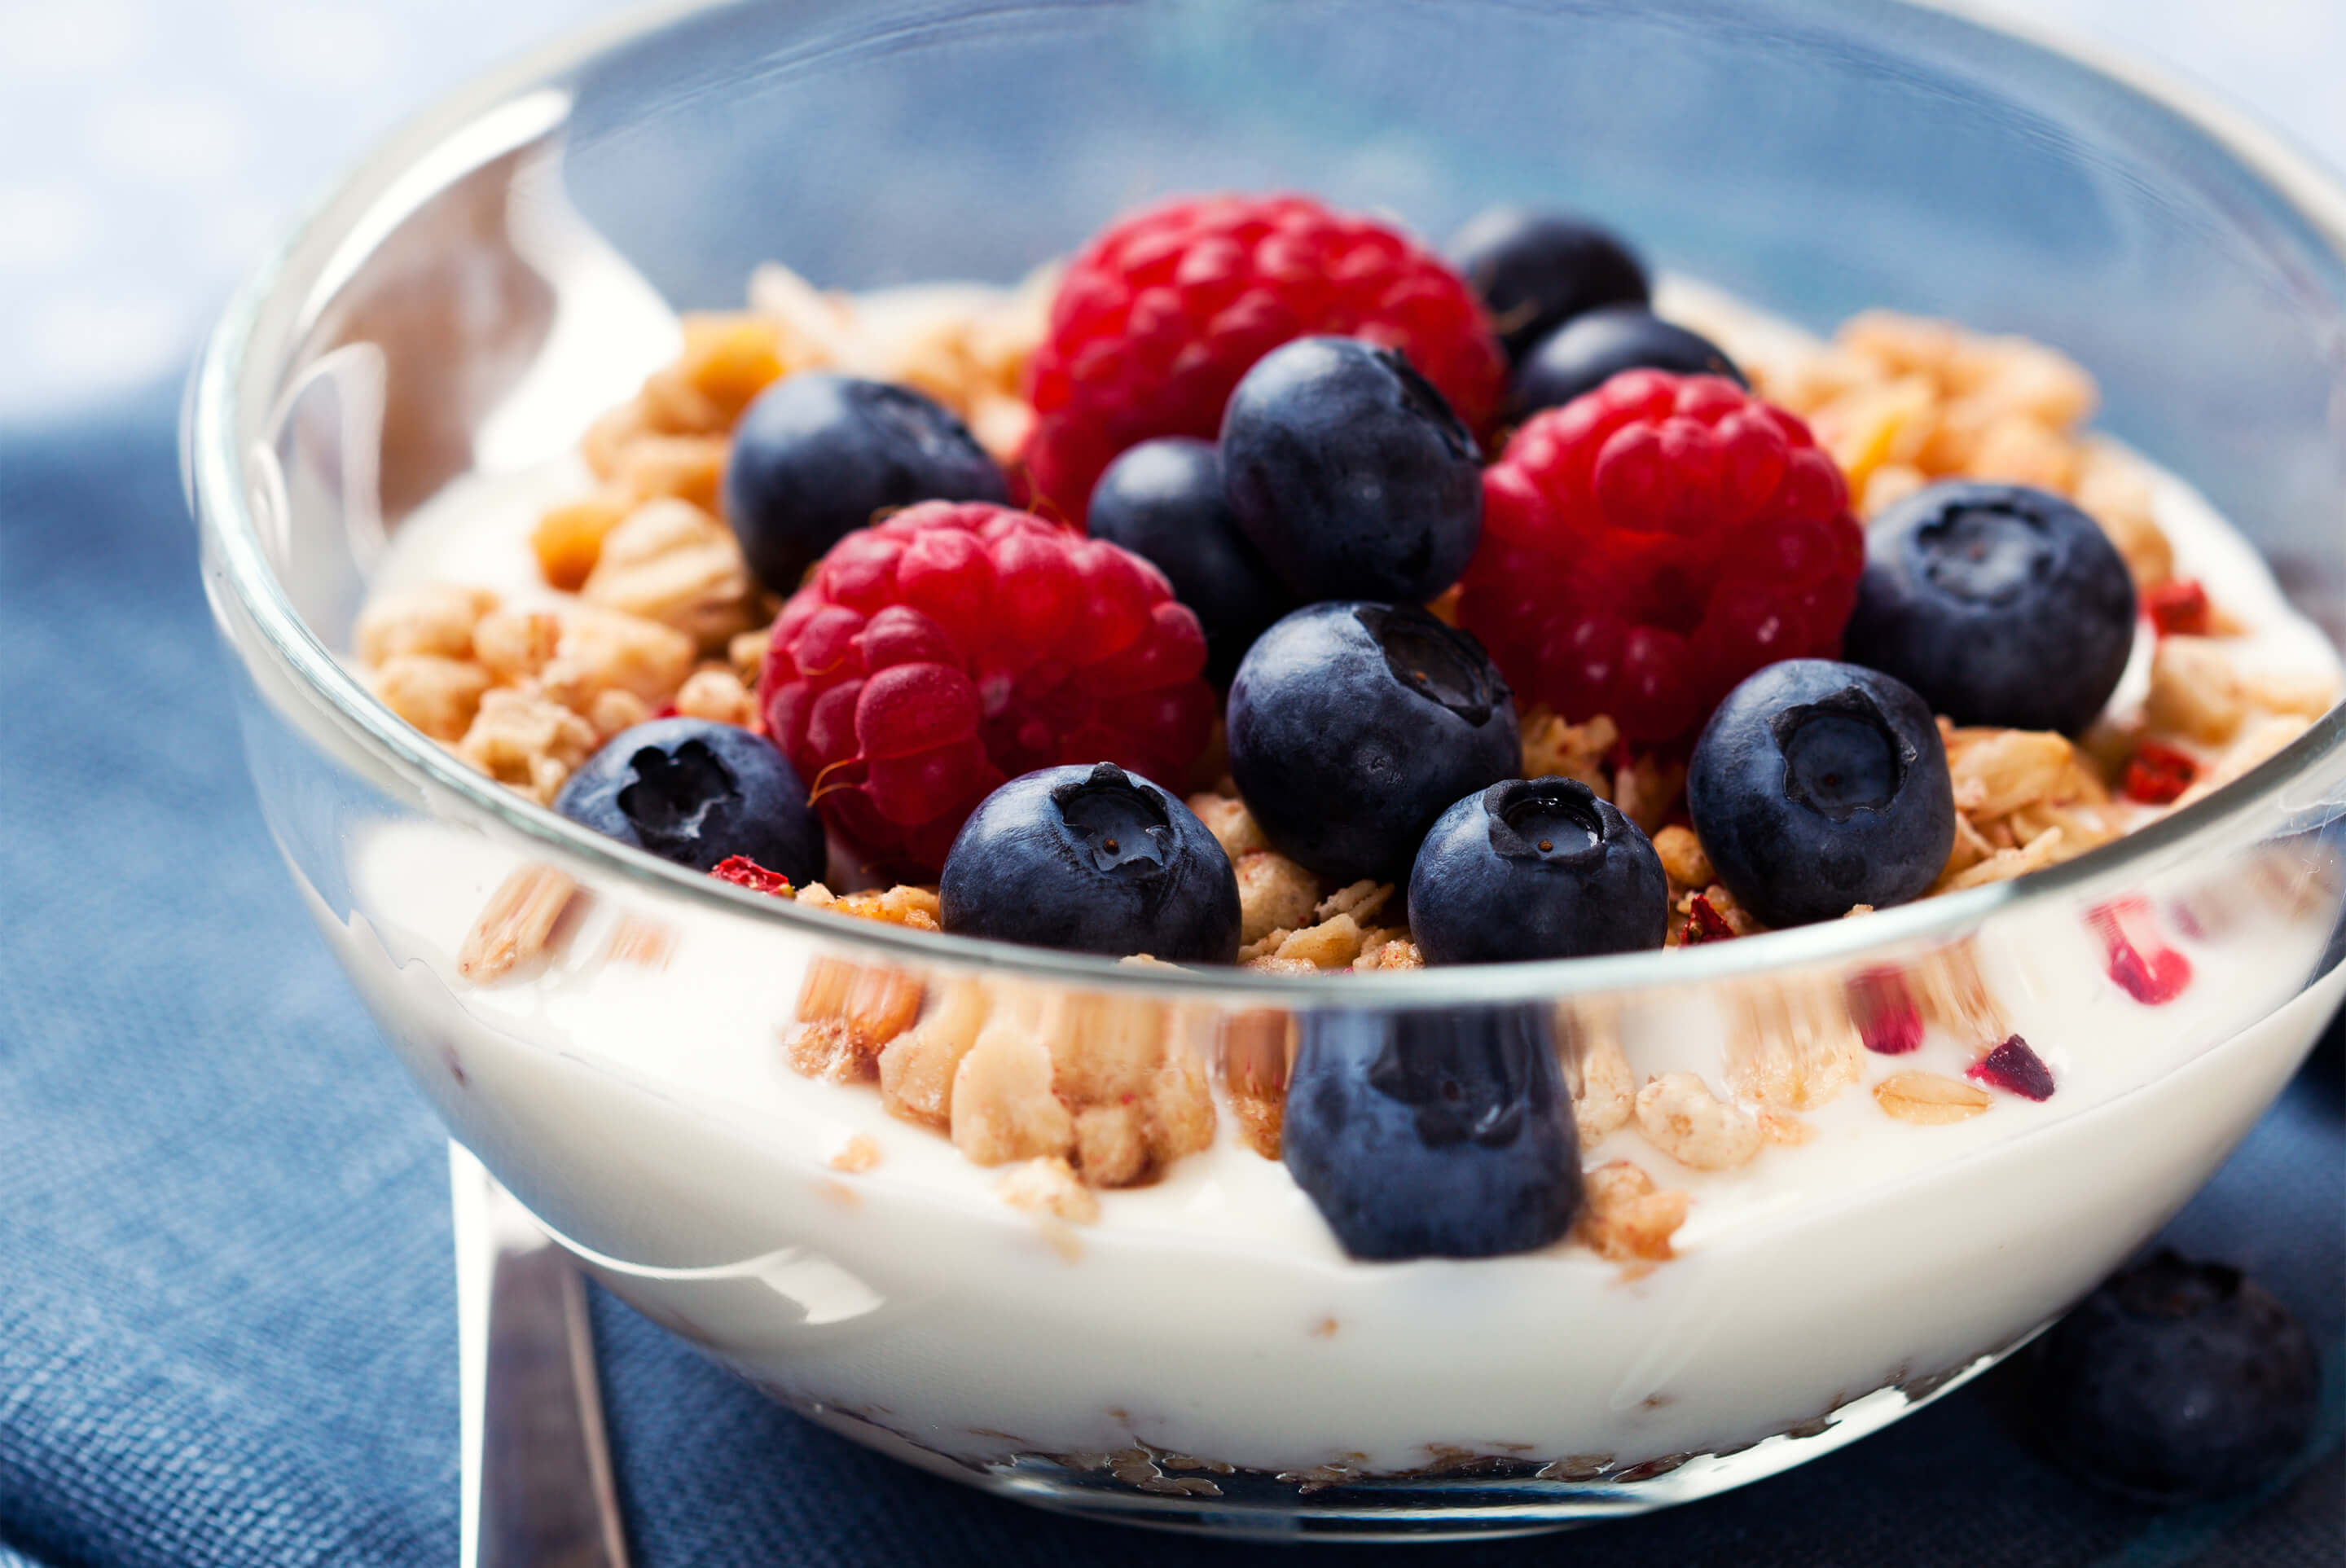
[233, 378]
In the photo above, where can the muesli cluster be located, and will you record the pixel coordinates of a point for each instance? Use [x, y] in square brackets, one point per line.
[1262, 588]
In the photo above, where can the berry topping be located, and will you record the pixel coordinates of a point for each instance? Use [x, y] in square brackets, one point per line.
[1536, 270]
[2158, 775]
[2015, 1067]
[1589, 351]
[1158, 317]
[699, 793]
[2175, 1381]
[2134, 955]
[1536, 868]
[1819, 786]
[744, 872]
[1352, 726]
[1435, 1134]
[1093, 860]
[2002, 606]
[1648, 546]
[819, 455]
[1882, 1006]
[1704, 923]
[2179, 608]
[1350, 473]
[1162, 500]
[953, 646]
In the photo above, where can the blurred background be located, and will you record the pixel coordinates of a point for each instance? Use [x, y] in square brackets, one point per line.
[157, 148]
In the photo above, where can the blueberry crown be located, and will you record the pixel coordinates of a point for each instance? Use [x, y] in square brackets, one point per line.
[1119, 825]
[1439, 663]
[1545, 821]
[672, 793]
[1841, 756]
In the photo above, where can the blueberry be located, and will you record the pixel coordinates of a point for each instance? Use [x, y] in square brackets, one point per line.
[1350, 473]
[1536, 868]
[1162, 500]
[1819, 786]
[1590, 350]
[1352, 726]
[1536, 270]
[2173, 1382]
[697, 793]
[818, 456]
[1094, 860]
[1433, 1133]
[2000, 605]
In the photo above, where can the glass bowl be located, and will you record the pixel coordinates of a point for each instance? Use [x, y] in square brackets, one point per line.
[1202, 1353]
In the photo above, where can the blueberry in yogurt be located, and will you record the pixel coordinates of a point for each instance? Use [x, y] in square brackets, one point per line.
[1095, 859]
[1819, 786]
[1353, 726]
[1536, 868]
[697, 792]
[1435, 1133]
[1349, 473]
[1536, 271]
[818, 456]
[2000, 605]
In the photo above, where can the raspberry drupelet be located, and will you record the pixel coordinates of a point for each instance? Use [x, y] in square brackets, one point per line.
[958, 644]
[1650, 543]
[1162, 313]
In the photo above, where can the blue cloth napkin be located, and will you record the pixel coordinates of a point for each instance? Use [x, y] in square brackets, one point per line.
[225, 1316]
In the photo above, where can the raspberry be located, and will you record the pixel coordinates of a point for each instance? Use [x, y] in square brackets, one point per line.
[1160, 315]
[1647, 545]
[2014, 1066]
[744, 872]
[2158, 774]
[958, 644]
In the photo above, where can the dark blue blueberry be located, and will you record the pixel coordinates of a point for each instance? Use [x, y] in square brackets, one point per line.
[1433, 1133]
[697, 793]
[1589, 351]
[1162, 500]
[2175, 1381]
[2000, 605]
[1093, 860]
[1352, 726]
[1536, 270]
[1536, 868]
[1349, 474]
[817, 455]
[1819, 786]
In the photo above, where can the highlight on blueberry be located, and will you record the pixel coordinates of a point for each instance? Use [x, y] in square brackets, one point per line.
[1536, 868]
[2000, 605]
[1433, 1132]
[818, 456]
[1093, 860]
[1817, 786]
[1349, 473]
[1592, 349]
[697, 792]
[1536, 271]
[2174, 1383]
[1163, 501]
[1353, 726]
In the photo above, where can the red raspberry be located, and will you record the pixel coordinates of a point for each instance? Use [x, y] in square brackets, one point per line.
[1647, 545]
[955, 645]
[1161, 314]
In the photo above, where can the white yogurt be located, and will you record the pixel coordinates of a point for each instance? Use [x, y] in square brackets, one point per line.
[649, 1117]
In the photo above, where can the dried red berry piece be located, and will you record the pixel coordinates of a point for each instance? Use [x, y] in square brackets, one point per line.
[1888, 1018]
[2133, 953]
[744, 872]
[1704, 923]
[2158, 774]
[2015, 1067]
[2179, 608]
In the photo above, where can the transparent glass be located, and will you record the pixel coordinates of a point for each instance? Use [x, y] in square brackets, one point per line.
[1202, 1355]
